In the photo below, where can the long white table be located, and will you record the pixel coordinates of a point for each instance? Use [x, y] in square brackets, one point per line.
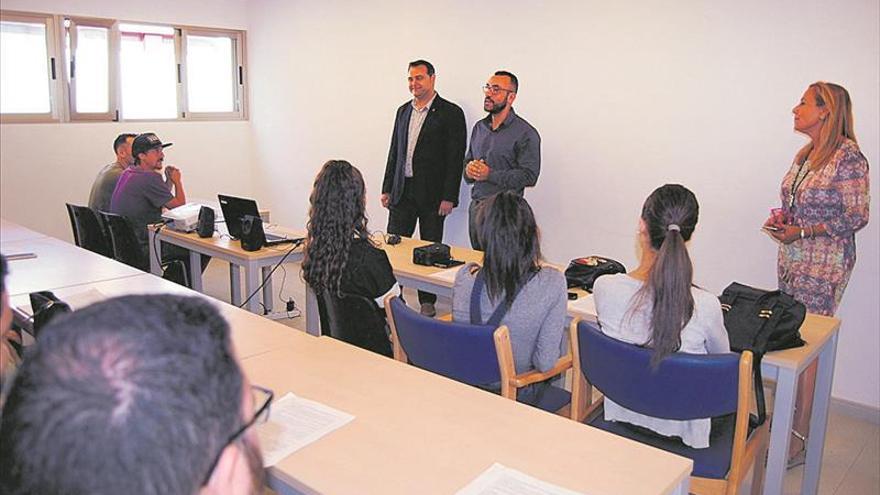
[417, 432]
[11, 231]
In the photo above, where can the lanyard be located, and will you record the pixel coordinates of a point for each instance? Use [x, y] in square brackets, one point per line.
[796, 183]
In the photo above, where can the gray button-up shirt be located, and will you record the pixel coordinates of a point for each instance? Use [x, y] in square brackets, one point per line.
[416, 120]
[513, 153]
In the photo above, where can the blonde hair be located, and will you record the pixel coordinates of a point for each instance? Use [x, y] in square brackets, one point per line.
[837, 126]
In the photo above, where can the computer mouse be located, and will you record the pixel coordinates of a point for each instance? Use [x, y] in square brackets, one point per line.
[393, 239]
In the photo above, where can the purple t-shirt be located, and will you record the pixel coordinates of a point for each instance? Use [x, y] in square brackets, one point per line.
[140, 196]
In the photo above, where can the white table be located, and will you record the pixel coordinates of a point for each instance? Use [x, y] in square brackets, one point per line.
[251, 334]
[417, 432]
[256, 264]
[11, 232]
[58, 264]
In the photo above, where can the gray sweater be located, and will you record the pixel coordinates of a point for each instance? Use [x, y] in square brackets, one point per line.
[536, 319]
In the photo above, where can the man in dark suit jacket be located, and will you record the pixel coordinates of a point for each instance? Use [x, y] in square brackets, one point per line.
[425, 163]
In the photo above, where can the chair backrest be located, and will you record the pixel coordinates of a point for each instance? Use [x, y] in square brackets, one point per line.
[684, 386]
[88, 232]
[126, 248]
[354, 319]
[460, 351]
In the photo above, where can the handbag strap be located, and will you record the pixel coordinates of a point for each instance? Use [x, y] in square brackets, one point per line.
[502, 308]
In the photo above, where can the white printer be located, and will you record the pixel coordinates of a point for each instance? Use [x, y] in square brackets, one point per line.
[184, 218]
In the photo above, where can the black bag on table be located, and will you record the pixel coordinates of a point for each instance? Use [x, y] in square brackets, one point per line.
[583, 272]
[761, 321]
[46, 307]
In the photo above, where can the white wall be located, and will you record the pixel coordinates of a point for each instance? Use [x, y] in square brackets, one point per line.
[42, 166]
[625, 97]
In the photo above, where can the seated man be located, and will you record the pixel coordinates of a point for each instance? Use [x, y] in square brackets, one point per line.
[141, 194]
[137, 394]
[105, 182]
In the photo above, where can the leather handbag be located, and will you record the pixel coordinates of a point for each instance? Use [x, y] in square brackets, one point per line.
[761, 321]
[46, 307]
[583, 272]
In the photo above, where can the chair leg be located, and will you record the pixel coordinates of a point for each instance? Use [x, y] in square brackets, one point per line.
[760, 469]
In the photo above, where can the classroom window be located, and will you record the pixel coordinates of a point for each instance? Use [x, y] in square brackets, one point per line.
[211, 74]
[114, 70]
[148, 72]
[88, 53]
[27, 68]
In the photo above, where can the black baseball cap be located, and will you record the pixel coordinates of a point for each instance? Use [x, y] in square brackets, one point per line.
[145, 142]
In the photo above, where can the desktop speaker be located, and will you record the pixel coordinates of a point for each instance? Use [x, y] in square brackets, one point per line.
[252, 235]
[206, 222]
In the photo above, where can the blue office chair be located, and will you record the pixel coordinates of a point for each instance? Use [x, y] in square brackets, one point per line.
[478, 355]
[685, 386]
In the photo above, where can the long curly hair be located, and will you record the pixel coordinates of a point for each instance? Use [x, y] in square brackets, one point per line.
[337, 216]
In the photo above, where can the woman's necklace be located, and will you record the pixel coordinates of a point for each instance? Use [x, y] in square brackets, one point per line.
[799, 178]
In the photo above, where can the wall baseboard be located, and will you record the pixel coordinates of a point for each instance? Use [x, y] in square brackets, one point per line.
[855, 410]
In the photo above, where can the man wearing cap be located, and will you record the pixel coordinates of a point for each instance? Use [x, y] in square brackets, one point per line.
[141, 193]
[105, 182]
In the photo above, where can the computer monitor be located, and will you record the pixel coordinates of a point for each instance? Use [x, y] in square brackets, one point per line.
[234, 209]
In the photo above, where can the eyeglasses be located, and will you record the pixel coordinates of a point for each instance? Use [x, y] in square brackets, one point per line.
[262, 399]
[494, 89]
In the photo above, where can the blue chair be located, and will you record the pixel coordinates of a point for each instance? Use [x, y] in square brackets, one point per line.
[683, 387]
[477, 355]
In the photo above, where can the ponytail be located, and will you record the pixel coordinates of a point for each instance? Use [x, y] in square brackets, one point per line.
[670, 214]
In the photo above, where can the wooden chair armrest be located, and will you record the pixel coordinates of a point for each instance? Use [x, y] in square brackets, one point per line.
[445, 317]
[535, 376]
[592, 408]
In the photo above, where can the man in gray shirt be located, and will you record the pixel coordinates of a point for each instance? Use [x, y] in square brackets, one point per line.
[105, 182]
[504, 151]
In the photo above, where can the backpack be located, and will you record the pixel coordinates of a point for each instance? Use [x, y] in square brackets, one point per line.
[583, 272]
[761, 321]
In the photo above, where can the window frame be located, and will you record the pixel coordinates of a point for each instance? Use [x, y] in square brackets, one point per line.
[54, 61]
[238, 74]
[112, 67]
[62, 78]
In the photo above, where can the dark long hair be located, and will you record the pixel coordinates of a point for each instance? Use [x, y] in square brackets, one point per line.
[336, 218]
[512, 248]
[670, 215]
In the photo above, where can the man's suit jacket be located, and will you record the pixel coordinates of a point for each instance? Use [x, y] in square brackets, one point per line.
[438, 158]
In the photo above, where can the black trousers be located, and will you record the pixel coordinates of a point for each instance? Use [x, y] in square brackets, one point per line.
[402, 219]
[472, 224]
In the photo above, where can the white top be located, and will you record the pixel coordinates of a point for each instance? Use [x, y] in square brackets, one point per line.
[704, 334]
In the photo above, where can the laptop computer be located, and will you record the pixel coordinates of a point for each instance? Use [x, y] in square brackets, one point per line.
[235, 208]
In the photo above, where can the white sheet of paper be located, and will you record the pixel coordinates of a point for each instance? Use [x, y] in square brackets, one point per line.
[295, 422]
[502, 480]
[76, 300]
[583, 304]
[447, 275]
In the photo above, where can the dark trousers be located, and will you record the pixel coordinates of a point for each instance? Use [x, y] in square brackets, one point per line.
[472, 224]
[402, 219]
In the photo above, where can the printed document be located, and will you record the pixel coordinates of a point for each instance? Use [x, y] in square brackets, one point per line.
[501, 480]
[295, 422]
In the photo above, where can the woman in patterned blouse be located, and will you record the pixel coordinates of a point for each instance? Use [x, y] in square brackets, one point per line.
[824, 202]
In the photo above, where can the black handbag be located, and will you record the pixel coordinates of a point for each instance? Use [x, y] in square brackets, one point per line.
[583, 272]
[761, 321]
[46, 307]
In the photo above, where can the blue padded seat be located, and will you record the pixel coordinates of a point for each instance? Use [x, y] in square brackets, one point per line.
[683, 387]
[460, 351]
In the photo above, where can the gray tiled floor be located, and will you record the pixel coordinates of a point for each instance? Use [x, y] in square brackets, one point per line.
[850, 465]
